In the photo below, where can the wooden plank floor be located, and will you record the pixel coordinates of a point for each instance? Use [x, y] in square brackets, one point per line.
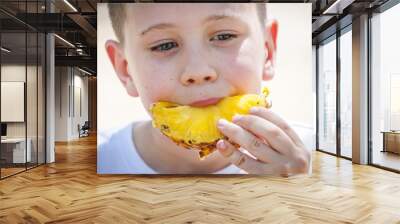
[70, 191]
[10, 171]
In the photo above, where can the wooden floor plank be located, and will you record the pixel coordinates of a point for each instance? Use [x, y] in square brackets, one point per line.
[70, 191]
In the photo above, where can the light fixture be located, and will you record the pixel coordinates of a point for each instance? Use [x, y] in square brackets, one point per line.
[70, 5]
[337, 7]
[80, 51]
[64, 40]
[84, 71]
[5, 50]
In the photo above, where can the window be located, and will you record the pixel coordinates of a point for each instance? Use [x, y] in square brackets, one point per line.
[346, 93]
[22, 78]
[327, 96]
[385, 89]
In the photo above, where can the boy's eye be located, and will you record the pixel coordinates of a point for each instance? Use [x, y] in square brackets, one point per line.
[224, 36]
[164, 46]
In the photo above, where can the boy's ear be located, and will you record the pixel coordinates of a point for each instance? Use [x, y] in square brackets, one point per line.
[270, 47]
[120, 64]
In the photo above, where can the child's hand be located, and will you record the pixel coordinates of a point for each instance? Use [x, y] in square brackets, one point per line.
[276, 147]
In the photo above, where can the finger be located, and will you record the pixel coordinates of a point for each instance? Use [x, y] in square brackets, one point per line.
[267, 131]
[251, 143]
[242, 160]
[278, 121]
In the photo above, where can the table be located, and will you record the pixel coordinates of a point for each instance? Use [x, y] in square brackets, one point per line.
[13, 150]
[391, 141]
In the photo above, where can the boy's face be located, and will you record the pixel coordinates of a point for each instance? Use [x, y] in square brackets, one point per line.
[191, 54]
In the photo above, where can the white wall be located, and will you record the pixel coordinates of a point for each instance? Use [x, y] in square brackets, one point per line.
[292, 87]
[80, 83]
[61, 103]
[12, 73]
[68, 81]
[33, 127]
[112, 113]
[12, 101]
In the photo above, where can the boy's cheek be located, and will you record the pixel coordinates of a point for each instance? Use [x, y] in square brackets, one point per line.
[244, 62]
[156, 84]
[245, 79]
[157, 92]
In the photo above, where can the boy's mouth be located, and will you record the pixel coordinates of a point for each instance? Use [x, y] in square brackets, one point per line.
[206, 102]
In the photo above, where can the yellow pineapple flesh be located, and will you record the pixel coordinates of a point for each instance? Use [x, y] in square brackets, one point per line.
[195, 127]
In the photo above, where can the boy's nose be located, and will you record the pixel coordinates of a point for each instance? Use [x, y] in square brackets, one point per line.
[193, 79]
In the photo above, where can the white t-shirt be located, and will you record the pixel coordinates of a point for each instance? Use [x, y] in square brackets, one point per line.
[117, 153]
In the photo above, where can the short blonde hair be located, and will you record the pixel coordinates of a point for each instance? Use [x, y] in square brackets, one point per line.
[118, 16]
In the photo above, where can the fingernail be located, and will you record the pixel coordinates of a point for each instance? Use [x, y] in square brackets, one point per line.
[222, 122]
[236, 118]
[221, 144]
[223, 149]
[254, 110]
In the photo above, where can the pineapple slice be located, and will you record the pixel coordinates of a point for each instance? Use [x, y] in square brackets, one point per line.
[195, 127]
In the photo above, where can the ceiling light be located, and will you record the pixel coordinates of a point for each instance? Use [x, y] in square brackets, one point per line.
[70, 5]
[84, 71]
[65, 41]
[5, 50]
[338, 6]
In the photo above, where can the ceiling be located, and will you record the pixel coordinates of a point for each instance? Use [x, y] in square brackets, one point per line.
[76, 22]
[75, 43]
[329, 16]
